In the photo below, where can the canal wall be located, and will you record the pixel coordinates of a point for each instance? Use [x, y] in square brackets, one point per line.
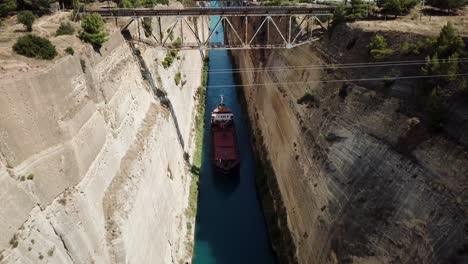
[91, 165]
[350, 174]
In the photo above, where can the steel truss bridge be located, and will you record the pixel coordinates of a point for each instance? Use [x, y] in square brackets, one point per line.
[248, 27]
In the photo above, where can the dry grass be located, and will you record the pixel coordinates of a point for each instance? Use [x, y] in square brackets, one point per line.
[418, 23]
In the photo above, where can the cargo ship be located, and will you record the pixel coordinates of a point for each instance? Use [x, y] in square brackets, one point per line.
[225, 152]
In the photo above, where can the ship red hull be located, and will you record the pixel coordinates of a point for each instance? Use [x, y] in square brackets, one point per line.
[225, 153]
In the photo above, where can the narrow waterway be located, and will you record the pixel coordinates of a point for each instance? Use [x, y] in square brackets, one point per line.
[230, 227]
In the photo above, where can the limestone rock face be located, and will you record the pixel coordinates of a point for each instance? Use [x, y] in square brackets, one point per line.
[91, 167]
[349, 176]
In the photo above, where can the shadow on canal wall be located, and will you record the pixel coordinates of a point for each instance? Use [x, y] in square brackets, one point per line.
[349, 194]
[268, 190]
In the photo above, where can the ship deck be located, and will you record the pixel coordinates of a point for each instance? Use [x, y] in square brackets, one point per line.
[224, 144]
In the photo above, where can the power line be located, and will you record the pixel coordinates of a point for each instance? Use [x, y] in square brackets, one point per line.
[344, 80]
[319, 66]
[320, 81]
[344, 65]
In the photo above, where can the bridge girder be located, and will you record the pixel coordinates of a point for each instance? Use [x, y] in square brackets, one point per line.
[214, 11]
[299, 31]
[296, 28]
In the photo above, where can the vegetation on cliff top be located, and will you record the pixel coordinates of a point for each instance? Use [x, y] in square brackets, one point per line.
[38, 7]
[65, 28]
[197, 157]
[443, 59]
[178, 78]
[379, 49]
[359, 9]
[397, 7]
[93, 30]
[140, 3]
[27, 19]
[442, 66]
[449, 5]
[35, 47]
[6, 7]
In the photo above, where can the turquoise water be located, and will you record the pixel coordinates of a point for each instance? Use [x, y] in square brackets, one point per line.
[230, 227]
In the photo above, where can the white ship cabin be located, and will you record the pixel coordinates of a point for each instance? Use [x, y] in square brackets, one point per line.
[222, 117]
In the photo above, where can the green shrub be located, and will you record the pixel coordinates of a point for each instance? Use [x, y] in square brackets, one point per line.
[273, 3]
[177, 44]
[149, 3]
[412, 48]
[444, 60]
[178, 78]
[7, 6]
[339, 15]
[130, 3]
[27, 19]
[168, 60]
[152, 3]
[83, 65]
[436, 66]
[14, 241]
[406, 48]
[38, 7]
[435, 109]
[171, 34]
[93, 30]
[359, 10]
[309, 100]
[447, 4]
[378, 42]
[449, 41]
[147, 26]
[35, 47]
[397, 7]
[70, 51]
[378, 48]
[65, 28]
[381, 54]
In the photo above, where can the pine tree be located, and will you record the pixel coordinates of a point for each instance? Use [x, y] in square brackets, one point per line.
[39, 7]
[359, 9]
[6, 6]
[449, 41]
[379, 49]
[27, 19]
[397, 7]
[93, 30]
[447, 4]
[339, 16]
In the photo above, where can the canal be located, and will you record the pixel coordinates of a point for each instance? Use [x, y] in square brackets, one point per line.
[230, 226]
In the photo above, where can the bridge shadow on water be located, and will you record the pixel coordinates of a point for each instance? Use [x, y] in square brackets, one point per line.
[230, 227]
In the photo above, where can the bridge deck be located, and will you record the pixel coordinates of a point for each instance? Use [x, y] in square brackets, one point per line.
[215, 11]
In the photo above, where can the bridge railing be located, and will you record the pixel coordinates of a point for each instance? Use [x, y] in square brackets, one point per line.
[249, 27]
[214, 11]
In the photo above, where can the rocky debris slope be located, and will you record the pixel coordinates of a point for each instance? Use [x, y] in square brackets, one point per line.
[340, 186]
[90, 163]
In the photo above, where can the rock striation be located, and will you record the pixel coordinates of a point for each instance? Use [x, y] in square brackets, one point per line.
[350, 176]
[91, 167]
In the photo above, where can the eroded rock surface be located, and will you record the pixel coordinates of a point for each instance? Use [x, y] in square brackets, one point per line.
[351, 175]
[91, 167]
